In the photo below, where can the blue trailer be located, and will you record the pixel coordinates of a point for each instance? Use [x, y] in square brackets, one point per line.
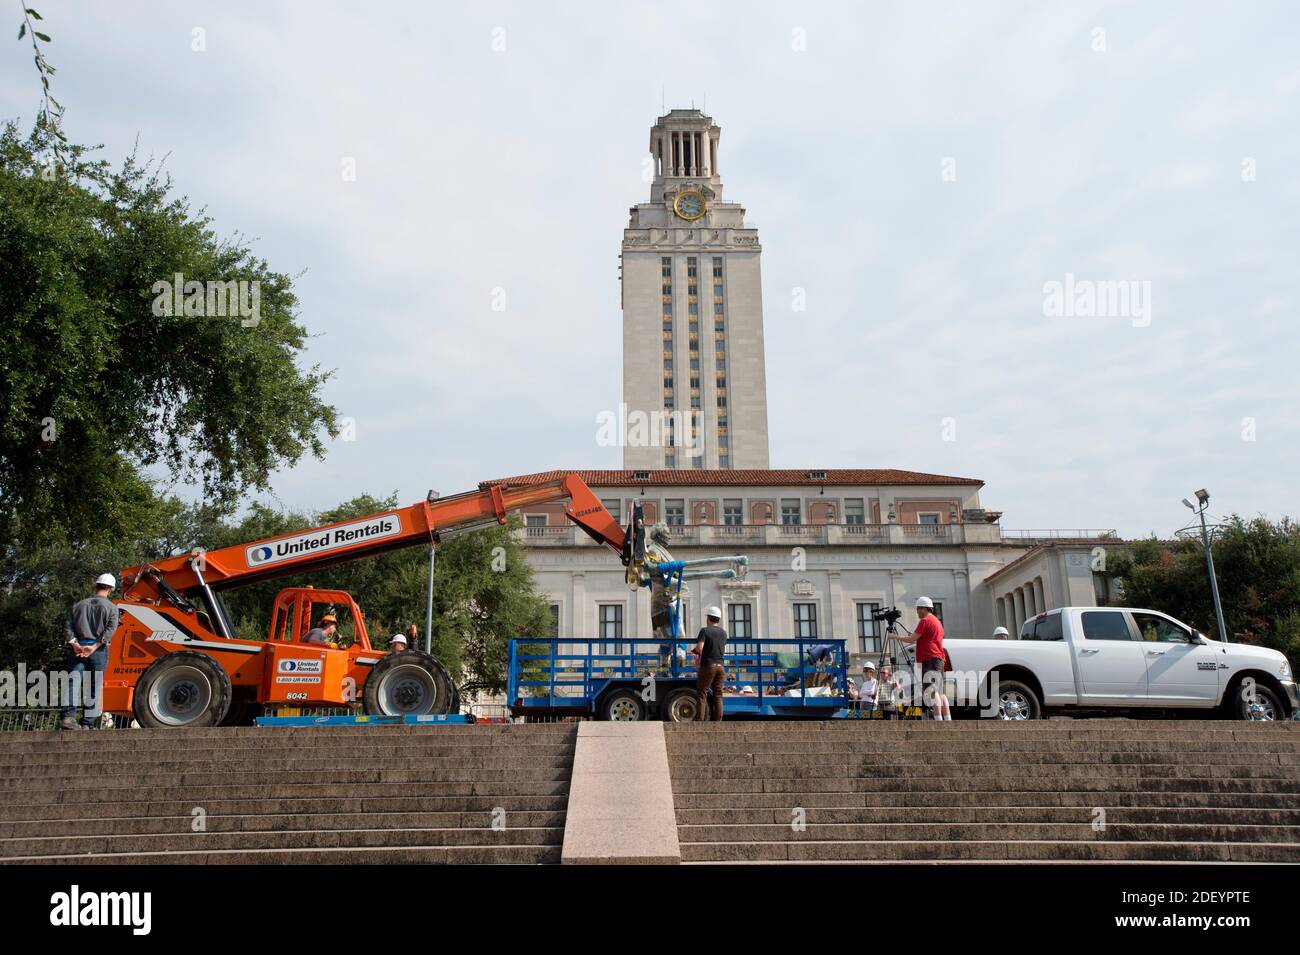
[647, 679]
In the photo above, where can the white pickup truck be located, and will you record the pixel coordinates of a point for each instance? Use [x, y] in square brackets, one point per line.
[1077, 658]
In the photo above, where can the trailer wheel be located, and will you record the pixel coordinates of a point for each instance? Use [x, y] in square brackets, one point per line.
[409, 683]
[184, 688]
[623, 706]
[682, 706]
[1017, 701]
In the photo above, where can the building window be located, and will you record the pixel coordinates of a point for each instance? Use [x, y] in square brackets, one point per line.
[805, 621]
[938, 610]
[855, 511]
[868, 628]
[928, 518]
[740, 621]
[717, 308]
[535, 520]
[613, 506]
[555, 620]
[790, 511]
[733, 511]
[724, 461]
[675, 512]
[611, 628]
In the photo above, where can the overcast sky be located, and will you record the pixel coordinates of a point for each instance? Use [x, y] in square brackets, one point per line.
[921, 171]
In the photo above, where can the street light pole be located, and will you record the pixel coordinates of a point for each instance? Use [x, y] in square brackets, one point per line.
[1203, 499]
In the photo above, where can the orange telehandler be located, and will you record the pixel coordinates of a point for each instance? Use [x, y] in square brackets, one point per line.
[175, 661]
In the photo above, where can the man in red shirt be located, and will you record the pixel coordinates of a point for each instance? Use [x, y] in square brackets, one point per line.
[928, 637]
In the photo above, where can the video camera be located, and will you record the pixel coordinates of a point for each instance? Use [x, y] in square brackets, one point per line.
[889, 614]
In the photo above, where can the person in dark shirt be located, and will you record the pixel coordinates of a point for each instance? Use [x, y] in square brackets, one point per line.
[88, 632]
[710, 647]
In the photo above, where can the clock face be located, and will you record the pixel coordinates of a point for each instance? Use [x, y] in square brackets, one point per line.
[689, 206]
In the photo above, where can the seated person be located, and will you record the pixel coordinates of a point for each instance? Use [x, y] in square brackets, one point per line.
[325, 632]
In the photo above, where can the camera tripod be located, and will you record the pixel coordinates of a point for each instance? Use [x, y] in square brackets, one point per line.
[893, 648]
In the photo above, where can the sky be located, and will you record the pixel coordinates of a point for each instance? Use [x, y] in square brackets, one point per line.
[920, 175]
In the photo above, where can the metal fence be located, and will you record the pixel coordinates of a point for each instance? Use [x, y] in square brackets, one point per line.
[42, 720]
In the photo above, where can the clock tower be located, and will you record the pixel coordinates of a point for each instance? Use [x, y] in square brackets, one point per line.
[694, 384]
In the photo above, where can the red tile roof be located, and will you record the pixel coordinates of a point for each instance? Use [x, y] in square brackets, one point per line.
[731, 478]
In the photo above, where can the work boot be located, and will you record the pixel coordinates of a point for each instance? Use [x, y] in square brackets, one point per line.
[69, 723]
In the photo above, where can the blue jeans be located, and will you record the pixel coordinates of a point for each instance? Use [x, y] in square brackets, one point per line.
[77, 666]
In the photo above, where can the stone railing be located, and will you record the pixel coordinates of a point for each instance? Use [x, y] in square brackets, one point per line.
[728, 537]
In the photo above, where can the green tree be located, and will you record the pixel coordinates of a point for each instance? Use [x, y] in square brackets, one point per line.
[96, 385]
[1257, 564]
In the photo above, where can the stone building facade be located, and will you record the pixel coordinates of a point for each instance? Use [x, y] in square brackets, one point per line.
[824, 547]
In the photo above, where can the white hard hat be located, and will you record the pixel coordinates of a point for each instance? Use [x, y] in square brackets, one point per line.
[714, 612]
[868, 665]
[106, 580]
[399, 638]
[1002, 630]
[925, 602]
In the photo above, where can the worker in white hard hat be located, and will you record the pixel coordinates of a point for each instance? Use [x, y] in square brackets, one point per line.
[867, 688]
[710, 647]
[930, 654]
[1001, 633]
[88, 632]
[398, 643]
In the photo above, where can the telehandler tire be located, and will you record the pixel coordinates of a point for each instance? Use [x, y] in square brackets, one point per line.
[184, 688]
[409, 683]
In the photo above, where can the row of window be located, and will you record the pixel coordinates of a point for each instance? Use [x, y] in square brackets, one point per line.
[733, 509]
[740, 623]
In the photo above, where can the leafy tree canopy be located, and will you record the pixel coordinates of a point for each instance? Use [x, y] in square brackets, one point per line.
[1257, 563]
[96, 385]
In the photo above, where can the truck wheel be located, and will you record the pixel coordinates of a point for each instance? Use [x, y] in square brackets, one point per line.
[1253, 701]
[409, 683]
[623, 706]
[681, 707]
[1017, 701]
[184, 688]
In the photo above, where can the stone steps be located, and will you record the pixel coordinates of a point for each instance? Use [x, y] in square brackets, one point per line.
[1186, 791]
[292, 805]
[882, 815]
[373, 794]
[931, 851]
[351, 855]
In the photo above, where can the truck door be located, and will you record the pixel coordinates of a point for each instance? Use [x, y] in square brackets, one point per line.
[1179, 670]
[1112, 661]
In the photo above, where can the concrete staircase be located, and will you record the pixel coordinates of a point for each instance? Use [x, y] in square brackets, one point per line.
[1185, 791]
[313, 795]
